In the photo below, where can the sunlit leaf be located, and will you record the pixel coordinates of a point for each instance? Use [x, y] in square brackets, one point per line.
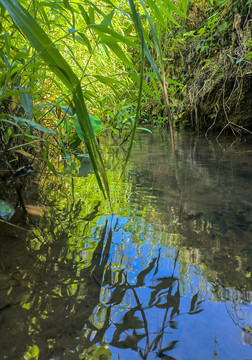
[171, 6]
[101, 30]
[107, 20]
[144, 129]
[83, 40]
[153, 6]
[50, 54]
[84, 14]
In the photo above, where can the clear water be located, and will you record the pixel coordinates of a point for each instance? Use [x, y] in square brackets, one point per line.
[167, 276]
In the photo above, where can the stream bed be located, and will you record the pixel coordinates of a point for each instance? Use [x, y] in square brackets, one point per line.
[166, 276]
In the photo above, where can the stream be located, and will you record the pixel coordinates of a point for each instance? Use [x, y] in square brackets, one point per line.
[166, 276]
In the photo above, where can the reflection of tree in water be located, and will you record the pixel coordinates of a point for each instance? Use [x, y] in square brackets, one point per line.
[61, 313]
[135, 330]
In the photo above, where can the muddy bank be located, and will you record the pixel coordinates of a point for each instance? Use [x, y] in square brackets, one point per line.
[218, 97]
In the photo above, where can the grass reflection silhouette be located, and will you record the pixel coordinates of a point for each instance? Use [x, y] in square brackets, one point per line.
[62, 313]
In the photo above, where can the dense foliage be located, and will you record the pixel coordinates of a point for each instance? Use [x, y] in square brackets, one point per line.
[73, 71]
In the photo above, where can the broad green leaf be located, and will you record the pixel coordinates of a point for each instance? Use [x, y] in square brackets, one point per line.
[96, 124]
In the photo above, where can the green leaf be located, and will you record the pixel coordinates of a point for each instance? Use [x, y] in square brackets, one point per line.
[27, 103]
[171, 6]
[154, 66]
[156, 11]
[184, 4]
[91, 14]
[96, 125]
[169, 15]
[174, 82]
[83, 40]
[154, 34]
[223, 26]
[117, 50]
[7, 41]
[137, 21]
[84, 14]
[51, 56]
[35, 125]
[8, 94]
[146, 87]
[101, 30]
[108, 81]
[107, 20]
[145, 129]
[108, 2]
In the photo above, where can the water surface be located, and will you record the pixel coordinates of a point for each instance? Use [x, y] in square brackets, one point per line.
[167, 276]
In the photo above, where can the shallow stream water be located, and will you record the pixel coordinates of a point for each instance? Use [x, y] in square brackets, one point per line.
[167, 276]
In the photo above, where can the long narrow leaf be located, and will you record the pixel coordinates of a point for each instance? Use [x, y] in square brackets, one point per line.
[138, 25]
[101, 29]
[51, 56]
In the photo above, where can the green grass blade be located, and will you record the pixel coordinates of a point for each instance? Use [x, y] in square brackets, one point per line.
[153, 6]
[138, 25]
[51, 56]
[171, 6]
[154, 34]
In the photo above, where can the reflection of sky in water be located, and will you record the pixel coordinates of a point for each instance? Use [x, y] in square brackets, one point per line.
[60, 275]
[198, 335]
